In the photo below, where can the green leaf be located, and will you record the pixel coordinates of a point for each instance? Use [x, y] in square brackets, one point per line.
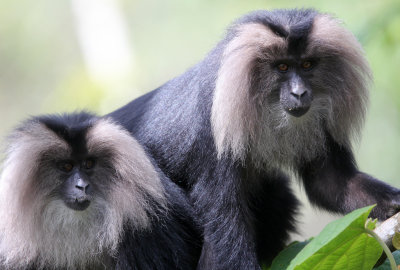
[343, 244]
[371, 223]
[283, 259]
[396, 240]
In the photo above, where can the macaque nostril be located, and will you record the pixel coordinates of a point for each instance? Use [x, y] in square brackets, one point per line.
[295, 95]
[82, 186]
[298, 95]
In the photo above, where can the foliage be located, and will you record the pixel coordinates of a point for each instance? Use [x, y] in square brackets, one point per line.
[345, 243]
[386, 264]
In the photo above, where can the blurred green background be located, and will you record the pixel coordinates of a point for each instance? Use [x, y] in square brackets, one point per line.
[99, 54]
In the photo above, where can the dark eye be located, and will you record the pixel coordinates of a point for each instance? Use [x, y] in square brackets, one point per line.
[283, 67]
[89, 164]
[306, 65]
[65, 166]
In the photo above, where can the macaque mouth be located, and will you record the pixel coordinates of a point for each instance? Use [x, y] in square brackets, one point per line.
[297, 111]
[78, 204]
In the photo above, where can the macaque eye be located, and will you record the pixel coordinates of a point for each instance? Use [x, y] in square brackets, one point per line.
[65, 166]
[306, 65]
[89, 164]
[283, 67]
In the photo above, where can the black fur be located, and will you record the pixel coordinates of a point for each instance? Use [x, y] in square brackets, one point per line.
[246, 213]
[329, 179]
[172, 243]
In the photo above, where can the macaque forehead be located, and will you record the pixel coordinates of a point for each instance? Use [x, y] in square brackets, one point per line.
[72, 130]
[84, 136]
[291, 37]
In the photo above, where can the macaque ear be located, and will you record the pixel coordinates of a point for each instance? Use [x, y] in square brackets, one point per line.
[234, 111]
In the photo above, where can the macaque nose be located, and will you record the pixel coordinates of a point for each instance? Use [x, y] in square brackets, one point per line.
[298, 92]
[82, 185]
